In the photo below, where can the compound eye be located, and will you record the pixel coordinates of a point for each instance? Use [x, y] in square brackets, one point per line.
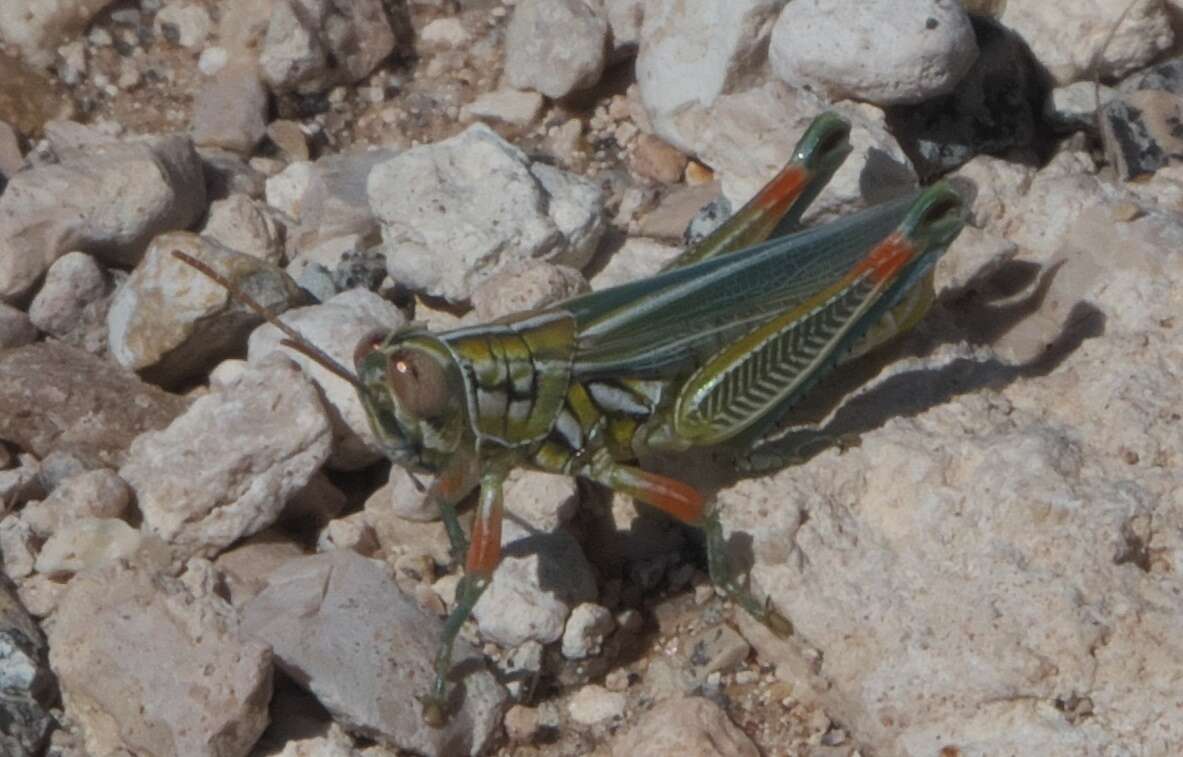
[418, 382]
[368, 344]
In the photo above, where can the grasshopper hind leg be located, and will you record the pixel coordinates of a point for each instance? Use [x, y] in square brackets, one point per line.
[685, 503]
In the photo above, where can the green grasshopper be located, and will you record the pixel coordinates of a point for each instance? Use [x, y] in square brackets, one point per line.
[713, 350]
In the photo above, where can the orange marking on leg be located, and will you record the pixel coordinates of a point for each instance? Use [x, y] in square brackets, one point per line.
[484, 551]
[886, 260]
[782, 191]
[666, 494]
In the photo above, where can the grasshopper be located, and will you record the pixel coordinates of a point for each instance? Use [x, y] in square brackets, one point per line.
[713, 350]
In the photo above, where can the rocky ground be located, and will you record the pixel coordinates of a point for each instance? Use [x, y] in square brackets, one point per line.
[204, 553]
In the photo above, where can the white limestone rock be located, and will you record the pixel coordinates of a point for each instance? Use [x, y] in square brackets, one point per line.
[227, 466]
[886, 52]
[456, 212]
[554, 46]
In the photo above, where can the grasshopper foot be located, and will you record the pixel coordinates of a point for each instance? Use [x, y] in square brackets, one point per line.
[435, 713]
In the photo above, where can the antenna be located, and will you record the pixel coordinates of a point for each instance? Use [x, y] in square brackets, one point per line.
[294, 339]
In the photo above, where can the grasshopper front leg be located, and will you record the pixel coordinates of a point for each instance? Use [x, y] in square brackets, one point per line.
[484, 553]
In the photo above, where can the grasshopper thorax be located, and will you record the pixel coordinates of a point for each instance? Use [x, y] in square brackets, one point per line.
[413, 393]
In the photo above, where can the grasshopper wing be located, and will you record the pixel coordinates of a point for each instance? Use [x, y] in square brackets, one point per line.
[668, 325]
[760, 374]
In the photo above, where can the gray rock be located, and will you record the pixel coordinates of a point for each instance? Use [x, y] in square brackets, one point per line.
[595, 705]
[690, 726]
[129, 648]
[11, 159]
[26, 685]
[336, 327]
[555, 46]
[456, 212]
[227, 173]
[887, 52]
[1140, 133]
[57, 399]
[1096, 39]
[311, 45]
[106, 200]
[719, 649]
[88, 544]
[225, 468]
[230, 110]
[1074, 107]
[16, 328]
[38, 27]
[586, 628]
[1065, 571]
[526, 286]
[99, 493]
[18, 546]
[327, 199]
[624, 19]
[72, 304]
[247, 565]
[509, 107]
[637, 258]
[184, 24]
[540, 578]
[247, 226]
[340, 627]
[692, 52]
[169, 322]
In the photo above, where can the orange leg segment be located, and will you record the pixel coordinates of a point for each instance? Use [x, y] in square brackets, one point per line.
[669, 495]
[484, 552]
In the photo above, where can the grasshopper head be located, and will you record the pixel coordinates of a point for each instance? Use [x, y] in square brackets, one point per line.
[413, 394]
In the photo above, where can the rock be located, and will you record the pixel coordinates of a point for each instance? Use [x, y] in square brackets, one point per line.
[653, 159]
[456, 212]
[247, 226]
[884, 52]
[227, 174]
[72, 304]
[128, 649]
[16, 328]
[40, 595]
[586, 628]
[994, 108]
[57, 398]
[351, 532]
[1076, 400]
[975, 256]
[99, 493]
[336, 327]
[681, 207]
[230, 110]
[11, 159]
[170, 322]
[1074, 107]
[688, 726]
[327, 199]
[312, 45]
[540, 578]
[554, 46]
[225, 468]
[717, 650]
[88, 544]
[521, 724]
[692, 52]
[20, 484]
[444, 33]
[26, 685]
[18, 547]
[247, 565]
[1096, 39]
[637, 258]
[29, 98]
[594, 705]
[545, 501]
[184, 24]
[313, 506]
[108, 200]
[510, 107]
[36, 29]
[339, 626]
[624, 19]
[399, 536]
[290, 138]
[1140, 131]
[996, 188]
[525, 286]
[746, 138]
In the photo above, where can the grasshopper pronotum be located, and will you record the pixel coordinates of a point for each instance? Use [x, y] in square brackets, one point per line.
[713, 350]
